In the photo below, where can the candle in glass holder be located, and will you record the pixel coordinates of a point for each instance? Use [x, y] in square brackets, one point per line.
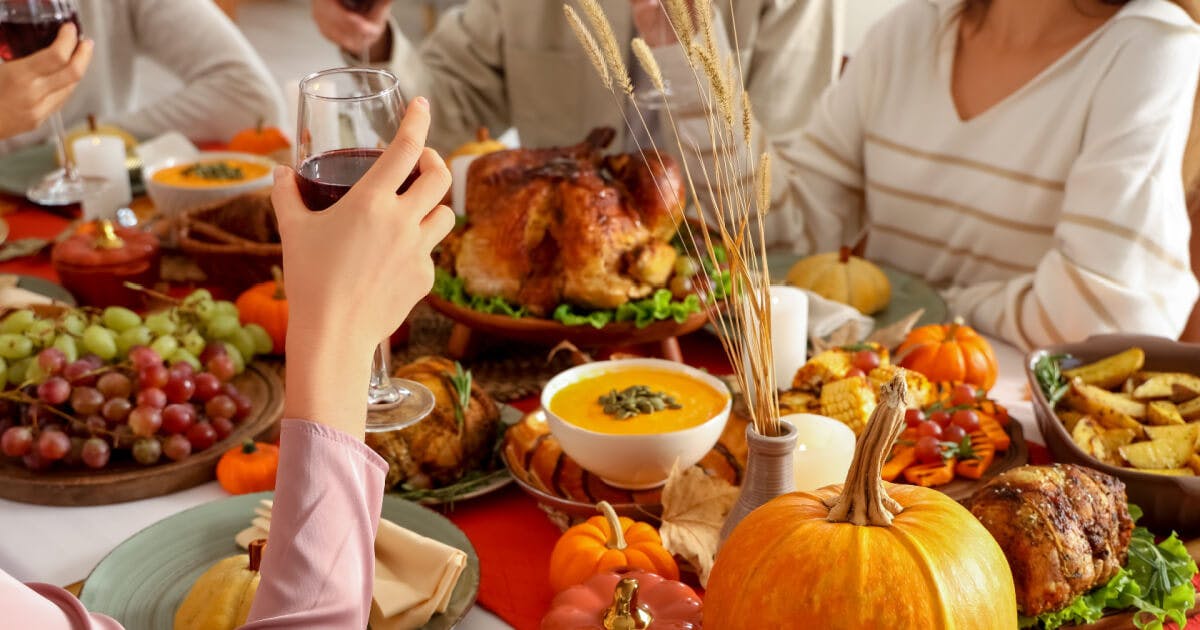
[824, 449]
[104, 156]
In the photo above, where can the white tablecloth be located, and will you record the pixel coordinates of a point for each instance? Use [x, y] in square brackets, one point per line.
[60, 545]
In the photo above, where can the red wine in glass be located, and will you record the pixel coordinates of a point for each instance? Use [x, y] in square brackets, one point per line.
[359, 6]
[326, 177]
[22, 35]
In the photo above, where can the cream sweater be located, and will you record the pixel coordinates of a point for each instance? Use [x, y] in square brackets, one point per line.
[226, 86]
[1056, 214]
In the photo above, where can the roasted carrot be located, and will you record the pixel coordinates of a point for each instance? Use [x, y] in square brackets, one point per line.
[903, 456]
[985, 454]
[930, 475]
[995, 432]
[995, 410]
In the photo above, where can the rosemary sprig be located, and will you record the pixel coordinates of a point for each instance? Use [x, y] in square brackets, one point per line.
[1048, 372]
[461, 380]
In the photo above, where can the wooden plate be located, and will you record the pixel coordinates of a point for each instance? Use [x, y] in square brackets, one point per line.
[128, 481]
[143, 581]
[541, 331]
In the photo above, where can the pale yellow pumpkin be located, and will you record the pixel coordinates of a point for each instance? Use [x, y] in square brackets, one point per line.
[482, 145]
[842, 277]
[221, 598]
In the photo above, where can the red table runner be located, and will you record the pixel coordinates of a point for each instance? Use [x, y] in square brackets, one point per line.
[510, 533]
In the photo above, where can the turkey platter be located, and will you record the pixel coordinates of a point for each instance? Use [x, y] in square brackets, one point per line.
[570, 225]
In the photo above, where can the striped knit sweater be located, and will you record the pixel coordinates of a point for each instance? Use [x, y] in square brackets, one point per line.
[1056, 214]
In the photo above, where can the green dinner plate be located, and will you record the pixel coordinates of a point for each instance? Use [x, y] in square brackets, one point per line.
[143, 580]
[47, 288]
[909, 293]
[22, 168]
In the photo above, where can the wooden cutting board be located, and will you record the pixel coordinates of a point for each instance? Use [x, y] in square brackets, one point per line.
[130, 481]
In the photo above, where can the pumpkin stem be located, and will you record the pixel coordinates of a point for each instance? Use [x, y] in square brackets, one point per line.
[952, 329]
[844, 255]
[248, 447]
[625, 614]
[482, 134]
[616, 537]
[258, 125]
[108, 238]
[91, 118]
[277, 274]
[864, 499]
[256, 551]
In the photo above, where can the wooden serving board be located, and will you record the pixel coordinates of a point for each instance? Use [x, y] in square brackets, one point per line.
[129, 481]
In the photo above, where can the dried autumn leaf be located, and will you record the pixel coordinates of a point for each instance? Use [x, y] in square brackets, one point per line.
[694, 509]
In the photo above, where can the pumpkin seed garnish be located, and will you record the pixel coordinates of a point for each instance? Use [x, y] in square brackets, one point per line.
[636, 400]
[214, 171]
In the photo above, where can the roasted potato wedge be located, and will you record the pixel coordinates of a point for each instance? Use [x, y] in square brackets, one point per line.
[1177, 432]
[1163, 385]
[1190, 410]
[1194, 463]
[1111, 371]
[1158, 454]
[1116, 438]
[1090, 438]
[795, 401]
[1161, 412]
[1069, 418]
[1110, 410]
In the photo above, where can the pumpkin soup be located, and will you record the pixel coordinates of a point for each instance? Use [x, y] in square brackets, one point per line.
[211, 173]
[638, 400]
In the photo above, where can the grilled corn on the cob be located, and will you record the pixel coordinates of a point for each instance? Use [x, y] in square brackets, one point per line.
[850, 401]
[825, 367]
[921, 392]
[795, 401]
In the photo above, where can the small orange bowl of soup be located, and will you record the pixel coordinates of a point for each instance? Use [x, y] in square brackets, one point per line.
[177, 185]
[630, 421]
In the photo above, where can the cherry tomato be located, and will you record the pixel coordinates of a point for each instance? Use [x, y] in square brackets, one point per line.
[865, 360]
[931, 429]
[963, 394]
[914, 417]
[954, 433]
[967, 419]
[928, 450]
[855, 372]
[942, 418]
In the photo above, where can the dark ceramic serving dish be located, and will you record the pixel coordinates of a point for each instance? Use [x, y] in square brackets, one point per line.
[1169, 503]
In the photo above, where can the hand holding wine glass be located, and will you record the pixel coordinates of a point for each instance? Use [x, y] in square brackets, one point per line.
[36, 86]
[354, 270]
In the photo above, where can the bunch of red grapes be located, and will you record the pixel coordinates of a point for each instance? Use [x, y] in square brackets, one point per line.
[87, 412]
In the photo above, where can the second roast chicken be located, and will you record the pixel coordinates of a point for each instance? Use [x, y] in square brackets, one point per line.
[569, 225]
[1065, 530]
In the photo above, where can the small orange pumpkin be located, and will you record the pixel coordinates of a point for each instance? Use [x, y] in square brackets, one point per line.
[261, 140]
[266, 304]
[951, 352]
[607, 542]
[248, 468]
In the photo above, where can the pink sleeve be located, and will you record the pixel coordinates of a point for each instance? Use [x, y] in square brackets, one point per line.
[46, 607]
[318, 566]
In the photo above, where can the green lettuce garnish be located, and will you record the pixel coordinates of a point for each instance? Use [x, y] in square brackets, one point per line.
[1156, 582]
[658, 307]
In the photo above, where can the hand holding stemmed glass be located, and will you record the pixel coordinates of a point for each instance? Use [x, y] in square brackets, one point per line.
[44, 60]
[358, 195]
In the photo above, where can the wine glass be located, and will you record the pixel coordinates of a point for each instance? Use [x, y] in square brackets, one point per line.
[347, 116]
[27, 26]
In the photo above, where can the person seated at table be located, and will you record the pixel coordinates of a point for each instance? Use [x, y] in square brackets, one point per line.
[1024, 156]
[503, 64]
[225, 85]
[340, 265]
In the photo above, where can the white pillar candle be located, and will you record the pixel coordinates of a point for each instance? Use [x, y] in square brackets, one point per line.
[789, 332]
[104, 157]
[824, 449]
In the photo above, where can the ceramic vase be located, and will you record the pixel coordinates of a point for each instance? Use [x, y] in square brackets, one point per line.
[768, 472]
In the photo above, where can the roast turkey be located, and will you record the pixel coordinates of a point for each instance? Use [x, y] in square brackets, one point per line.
[1065, 530]
[569, 225]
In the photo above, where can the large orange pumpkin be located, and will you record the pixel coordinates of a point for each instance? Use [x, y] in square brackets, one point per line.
[951, 352]
[266, 304]
[867, 554]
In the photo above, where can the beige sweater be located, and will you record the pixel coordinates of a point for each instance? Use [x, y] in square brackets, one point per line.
[1056, 214]
[226, 87]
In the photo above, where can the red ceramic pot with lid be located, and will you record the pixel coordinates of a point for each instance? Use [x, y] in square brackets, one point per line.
[94, 265]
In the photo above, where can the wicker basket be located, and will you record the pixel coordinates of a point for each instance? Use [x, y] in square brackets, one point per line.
[235, 242]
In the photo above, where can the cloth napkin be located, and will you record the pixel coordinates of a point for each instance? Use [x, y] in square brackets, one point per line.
[825, 317]
[414, 575]
[12, 296]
